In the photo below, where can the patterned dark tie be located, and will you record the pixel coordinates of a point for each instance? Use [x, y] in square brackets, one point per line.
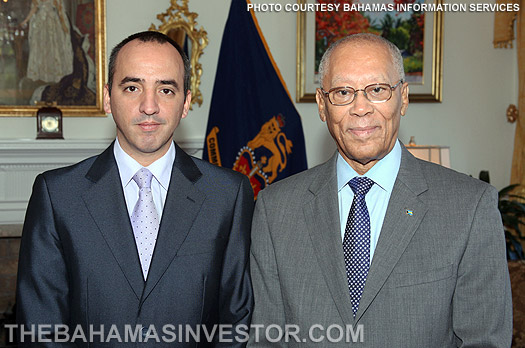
[145, 220]
[356, 242]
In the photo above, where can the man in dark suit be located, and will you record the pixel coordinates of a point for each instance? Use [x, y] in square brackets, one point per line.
[142, 239]
[376, 248]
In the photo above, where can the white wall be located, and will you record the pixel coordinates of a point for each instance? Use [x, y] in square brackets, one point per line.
[479, 83]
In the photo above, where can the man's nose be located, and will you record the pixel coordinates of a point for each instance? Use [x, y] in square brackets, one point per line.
[149, 104]
[361, 106]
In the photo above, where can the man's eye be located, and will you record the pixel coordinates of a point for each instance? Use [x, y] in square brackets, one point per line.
[167, 91]
[378, 90]
[131, 89]
[343, 92]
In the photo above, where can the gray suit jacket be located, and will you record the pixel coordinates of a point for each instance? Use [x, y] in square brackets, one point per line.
[438, 277]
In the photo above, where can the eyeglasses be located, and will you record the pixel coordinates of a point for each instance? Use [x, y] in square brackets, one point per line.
[375, 93]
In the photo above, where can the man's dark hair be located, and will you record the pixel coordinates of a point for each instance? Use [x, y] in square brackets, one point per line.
[149, 36]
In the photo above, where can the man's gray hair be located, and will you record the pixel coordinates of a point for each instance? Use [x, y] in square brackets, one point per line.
[363, 38]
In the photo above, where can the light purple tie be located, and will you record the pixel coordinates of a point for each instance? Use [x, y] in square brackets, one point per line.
[145, 220]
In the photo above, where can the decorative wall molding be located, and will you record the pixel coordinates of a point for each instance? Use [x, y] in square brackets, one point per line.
[22, 160]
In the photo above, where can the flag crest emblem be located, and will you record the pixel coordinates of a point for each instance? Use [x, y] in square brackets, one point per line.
[266, 155]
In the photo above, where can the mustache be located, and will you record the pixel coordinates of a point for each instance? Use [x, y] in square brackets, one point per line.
[148, 118]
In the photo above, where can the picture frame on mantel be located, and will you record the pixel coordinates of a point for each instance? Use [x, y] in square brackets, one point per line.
[53, 51]
[423, 58]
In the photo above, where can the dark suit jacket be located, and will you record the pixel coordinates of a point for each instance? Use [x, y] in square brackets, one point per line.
[438, 276]
[79, 264]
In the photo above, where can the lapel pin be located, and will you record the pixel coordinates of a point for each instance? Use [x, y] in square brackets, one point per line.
[409, 212]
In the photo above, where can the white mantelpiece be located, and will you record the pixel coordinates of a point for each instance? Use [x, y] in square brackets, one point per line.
[22, 160]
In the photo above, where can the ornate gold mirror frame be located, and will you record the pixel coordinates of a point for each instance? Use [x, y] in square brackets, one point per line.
[178, 23]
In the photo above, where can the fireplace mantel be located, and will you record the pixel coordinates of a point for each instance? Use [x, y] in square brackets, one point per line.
[22, 160]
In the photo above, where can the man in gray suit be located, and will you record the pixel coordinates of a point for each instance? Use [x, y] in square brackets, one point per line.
[376, 248]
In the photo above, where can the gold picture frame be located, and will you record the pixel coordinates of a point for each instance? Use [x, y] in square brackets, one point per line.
[79, 93]
[430, 90]
[179, 24]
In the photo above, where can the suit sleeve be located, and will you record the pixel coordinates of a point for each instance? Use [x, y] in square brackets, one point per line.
[42, 285]
[268, 308]
[236, 295]
[482, 302]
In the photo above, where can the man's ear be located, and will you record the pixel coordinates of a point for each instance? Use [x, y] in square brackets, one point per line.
[187, 104]
[321, 104]
[404, 99]
[107, 99]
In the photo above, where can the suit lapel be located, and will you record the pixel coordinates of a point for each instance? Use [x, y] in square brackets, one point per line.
[398, 226]
[106, 204]
[324, 231]
[183, 203]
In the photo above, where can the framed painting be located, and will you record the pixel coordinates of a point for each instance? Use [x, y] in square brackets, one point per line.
[52, 52]
[418, 34]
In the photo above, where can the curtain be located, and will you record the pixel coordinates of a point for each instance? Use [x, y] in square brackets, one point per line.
[503, 37]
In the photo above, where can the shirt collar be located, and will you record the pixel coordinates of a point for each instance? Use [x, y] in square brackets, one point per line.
[383, 173]
[161, 168]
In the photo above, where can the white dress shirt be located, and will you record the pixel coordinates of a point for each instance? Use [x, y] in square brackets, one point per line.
[384, 174]
[161, 170]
